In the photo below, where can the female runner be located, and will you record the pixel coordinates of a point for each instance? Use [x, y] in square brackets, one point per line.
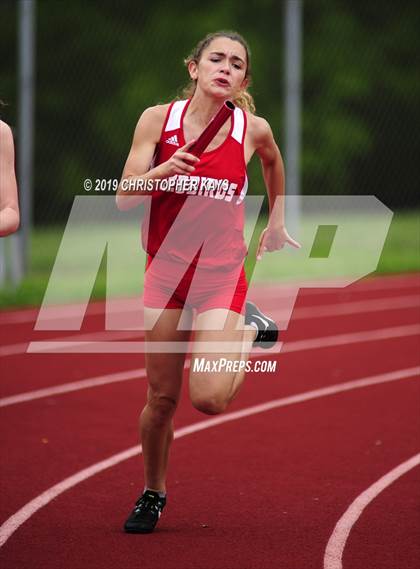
[206, 198]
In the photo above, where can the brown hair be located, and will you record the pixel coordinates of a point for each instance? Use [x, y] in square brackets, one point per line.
[244, 100]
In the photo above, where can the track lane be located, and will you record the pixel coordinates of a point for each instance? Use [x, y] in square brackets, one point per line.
[36, 370]
[48, 438]
[279, 512]
[294, 372]
[389, 519]
[17, 325]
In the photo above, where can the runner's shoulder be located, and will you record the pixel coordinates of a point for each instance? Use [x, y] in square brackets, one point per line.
[258, 129]
[6, 133]
[151, 121]
[7, 147]
[157, 112]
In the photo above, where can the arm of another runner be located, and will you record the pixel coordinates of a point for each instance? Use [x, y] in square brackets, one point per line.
[9, 205]
[132, 189]
[275, 235]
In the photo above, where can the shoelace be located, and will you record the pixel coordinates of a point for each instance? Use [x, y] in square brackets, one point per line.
[146, 504]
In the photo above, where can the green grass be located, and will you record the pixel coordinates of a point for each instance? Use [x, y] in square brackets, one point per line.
[402, 248]
[400, 254]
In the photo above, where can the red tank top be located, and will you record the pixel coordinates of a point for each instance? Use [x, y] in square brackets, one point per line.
[201, 214]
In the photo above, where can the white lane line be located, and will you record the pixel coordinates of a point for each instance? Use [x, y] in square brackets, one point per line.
[215, 347]
[325, 310]
[335, 547]
[289, 347]
[278, 291]
[352, 338]
[21, 516]
[73, 386]
[361, 306]
[21, 347]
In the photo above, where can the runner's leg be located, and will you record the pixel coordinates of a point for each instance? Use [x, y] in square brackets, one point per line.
[211, 392]
[164, 374]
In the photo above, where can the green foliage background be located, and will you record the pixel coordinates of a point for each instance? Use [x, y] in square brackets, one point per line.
[100, 63]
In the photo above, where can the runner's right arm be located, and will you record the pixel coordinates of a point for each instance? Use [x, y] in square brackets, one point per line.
[146, 137]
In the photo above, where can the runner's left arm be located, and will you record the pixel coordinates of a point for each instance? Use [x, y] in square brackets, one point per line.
[275, 235]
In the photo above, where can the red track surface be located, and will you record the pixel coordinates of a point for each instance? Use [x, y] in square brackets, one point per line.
[259, 492]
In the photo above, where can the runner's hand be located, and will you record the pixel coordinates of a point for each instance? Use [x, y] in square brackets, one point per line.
[273, 239]
[181, 162]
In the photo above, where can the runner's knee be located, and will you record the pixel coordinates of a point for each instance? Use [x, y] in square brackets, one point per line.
[162, 407]
[210, 405]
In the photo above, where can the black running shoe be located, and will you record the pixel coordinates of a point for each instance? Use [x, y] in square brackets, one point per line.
[146, 514]
[268, 332]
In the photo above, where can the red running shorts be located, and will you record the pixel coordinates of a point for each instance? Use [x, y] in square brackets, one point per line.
[202, 289]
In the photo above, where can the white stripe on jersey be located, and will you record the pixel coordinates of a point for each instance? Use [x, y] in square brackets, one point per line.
[174, 120]
[238, 124]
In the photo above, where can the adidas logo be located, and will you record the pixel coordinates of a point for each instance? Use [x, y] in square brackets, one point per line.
[172, 140]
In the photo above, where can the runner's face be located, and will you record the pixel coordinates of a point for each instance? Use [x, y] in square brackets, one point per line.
[222, 68]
